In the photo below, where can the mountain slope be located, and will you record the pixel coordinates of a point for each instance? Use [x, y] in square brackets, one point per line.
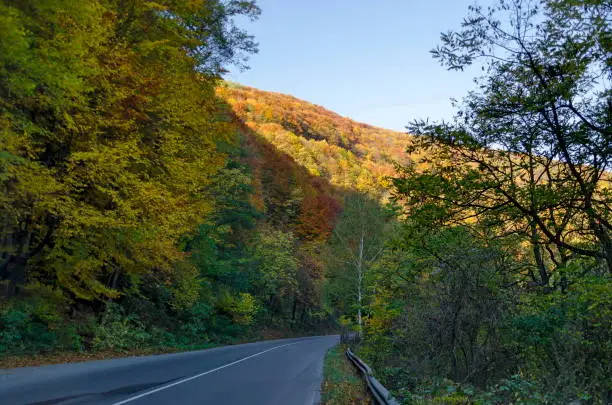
[346, 153]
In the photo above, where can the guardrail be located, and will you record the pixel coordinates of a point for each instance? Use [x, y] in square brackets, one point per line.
[379, 392]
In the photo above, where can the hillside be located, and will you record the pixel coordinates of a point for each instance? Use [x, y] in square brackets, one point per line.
[346, 153]
[249, 260]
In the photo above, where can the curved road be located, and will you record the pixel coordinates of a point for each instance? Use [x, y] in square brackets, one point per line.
[276, 372]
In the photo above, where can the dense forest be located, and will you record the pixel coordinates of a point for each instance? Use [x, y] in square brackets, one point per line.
[142, 205]
[149, 204]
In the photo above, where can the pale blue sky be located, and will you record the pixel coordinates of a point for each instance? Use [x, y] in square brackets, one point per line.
[365, 59]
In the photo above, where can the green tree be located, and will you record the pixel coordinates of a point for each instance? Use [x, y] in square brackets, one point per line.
[529, 153]
[511, 204]
[450, 288]
[357, 241]
[109, 126]
[274, 255]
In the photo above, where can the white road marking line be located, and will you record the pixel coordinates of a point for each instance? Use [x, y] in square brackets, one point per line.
[144, 394]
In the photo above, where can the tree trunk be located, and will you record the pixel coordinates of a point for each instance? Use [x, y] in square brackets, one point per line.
[537, 253]
[606, 244]
[293, 310]
[360, 281]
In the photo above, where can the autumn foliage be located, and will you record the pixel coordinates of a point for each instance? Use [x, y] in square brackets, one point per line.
[347, 154]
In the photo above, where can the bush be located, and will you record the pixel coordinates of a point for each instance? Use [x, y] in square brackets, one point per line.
[564, 341]
[119, 332]
[20, 333]
[241, 308]
[196, 325]
[36, 322]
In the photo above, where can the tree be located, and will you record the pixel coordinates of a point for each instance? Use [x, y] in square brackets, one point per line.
[109, 128]
[317, 215]
[277, 265]
[441, 304]
[530, 151]
[358, 239]
[219, 249]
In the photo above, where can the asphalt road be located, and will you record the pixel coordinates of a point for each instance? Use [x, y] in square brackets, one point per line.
[275, 372]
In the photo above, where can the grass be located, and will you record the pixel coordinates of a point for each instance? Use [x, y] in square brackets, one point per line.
[341, 384]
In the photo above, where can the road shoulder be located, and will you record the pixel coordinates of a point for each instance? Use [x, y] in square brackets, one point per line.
[341, 383]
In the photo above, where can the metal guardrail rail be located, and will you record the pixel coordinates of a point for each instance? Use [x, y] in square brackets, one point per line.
[379, 392]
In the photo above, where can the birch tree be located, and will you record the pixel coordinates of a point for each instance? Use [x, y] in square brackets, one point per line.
[357, 241]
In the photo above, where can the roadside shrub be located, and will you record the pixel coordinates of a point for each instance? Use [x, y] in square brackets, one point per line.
[36, 322]
[162, 338]
[196, 324]
[564, 341]
[21, 332]
[241, 308]
[119, 332]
